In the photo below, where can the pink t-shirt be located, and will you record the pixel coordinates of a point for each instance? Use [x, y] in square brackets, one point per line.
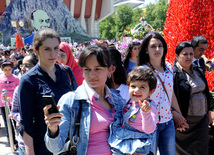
[9, 83]
[99, 127]
[145, 121]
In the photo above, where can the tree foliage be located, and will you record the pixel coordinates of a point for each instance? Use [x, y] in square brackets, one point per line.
[125, 18]
[107, 27]
[156, 14]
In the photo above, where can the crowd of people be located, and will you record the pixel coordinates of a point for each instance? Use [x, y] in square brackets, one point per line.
[140, 104]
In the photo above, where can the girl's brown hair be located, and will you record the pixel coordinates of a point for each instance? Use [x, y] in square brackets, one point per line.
[42, 35]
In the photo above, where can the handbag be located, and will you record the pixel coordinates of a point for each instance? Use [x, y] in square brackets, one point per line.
[73, 149]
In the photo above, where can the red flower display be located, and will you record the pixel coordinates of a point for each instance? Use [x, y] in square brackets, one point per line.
[188, 18]
[19, 42]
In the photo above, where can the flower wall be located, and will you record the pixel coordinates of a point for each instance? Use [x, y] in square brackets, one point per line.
[188, 18]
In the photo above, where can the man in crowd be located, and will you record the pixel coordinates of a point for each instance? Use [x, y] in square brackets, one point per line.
[199, 44]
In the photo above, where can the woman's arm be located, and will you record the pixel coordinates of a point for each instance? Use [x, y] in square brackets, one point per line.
[210, 118]
[28, 141]
[58, 128]
[180, 121]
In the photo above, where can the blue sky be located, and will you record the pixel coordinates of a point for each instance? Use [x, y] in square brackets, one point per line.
[150, 1]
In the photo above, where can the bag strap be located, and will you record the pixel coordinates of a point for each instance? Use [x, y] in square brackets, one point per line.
[77, 127]
[67, 72]
[71, 82]
[149, 65]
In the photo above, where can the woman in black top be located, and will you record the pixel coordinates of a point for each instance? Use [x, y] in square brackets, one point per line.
[46, 78]
[192, 93]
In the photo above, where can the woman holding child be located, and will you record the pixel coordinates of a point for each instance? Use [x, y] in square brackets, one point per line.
[97, 105]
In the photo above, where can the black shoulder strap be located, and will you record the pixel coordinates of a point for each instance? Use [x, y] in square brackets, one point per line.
[77, 125]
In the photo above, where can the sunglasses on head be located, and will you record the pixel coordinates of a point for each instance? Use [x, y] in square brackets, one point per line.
[150, 33]
[135, 43]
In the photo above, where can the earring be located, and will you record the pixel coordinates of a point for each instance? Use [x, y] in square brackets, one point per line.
[146, 52]
[109, 76]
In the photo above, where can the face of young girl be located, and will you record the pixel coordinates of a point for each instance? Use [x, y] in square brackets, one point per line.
[135, 51]
[7, 70]
[95, 75]
[155, 49]
[48, 52]
[139, 90]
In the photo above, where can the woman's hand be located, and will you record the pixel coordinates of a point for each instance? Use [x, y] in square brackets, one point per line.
[52, 120]
[145, 106]
[210, 118]
[180, 121]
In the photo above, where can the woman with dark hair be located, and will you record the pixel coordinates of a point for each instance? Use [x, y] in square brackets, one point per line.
[46, 78]
[117, 82]
[95, 102]
[130, 58]
[191, 90]
[152, 55]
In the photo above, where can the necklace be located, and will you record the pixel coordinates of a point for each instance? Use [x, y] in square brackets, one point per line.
[101, 95]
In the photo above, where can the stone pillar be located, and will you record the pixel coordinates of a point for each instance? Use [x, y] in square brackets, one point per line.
[82, 15]
[72, 7]
[7, 2]
[91, 19]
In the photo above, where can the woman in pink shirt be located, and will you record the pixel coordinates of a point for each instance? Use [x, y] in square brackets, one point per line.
[98, 106]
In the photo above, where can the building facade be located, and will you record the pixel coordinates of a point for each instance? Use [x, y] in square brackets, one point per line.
[87, 12]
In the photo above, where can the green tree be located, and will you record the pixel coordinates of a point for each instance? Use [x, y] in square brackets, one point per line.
[156, 14]
[123, 18]
[135, 18]
[107, 27]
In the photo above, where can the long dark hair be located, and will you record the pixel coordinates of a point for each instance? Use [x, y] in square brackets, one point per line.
[119, 74]
[143, 57]
[101, 52]
[128, 53]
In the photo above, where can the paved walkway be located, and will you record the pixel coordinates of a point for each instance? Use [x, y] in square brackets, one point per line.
[4, 146]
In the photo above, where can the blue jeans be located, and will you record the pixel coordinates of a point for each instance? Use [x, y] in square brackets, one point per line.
[21, 151]
[165, 138]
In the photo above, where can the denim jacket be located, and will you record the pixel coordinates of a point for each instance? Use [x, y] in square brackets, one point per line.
[69, 106]
[124, 139]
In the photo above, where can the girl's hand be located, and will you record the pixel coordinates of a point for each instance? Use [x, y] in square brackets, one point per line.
[9, 99]
[52, 120]
[145, 106]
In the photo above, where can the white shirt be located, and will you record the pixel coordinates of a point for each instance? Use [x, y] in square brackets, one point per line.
[160, 97]
[124, 91]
